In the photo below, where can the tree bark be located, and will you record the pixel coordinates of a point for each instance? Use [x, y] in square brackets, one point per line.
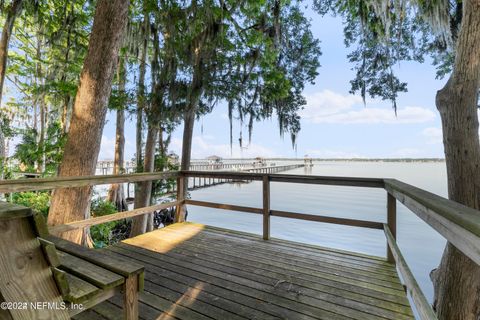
[143, 197]
[188, 125]
[141, 94]
[457, 279]
[12, 12]
[193, 99]
[40, 101]
[65, 119]
[83, 142]
[116, 193]
[3, 156]
[41, 141]
[161, 149]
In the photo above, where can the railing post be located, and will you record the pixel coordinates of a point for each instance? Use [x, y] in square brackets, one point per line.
[391, 222]
[266, 207]
[181, 189]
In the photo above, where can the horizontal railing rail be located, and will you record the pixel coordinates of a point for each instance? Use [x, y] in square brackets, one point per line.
[325, 180]
[111, 217]
[19, 185]
[223, 206]
[457, 223]
[327, 219]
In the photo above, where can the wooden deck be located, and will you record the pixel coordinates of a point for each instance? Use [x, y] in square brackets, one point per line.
[194, 271]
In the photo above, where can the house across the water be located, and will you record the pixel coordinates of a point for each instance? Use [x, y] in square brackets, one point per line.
[214, 159]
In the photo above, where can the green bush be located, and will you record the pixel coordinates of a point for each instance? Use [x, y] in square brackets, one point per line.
[37, 201]
[40, 202]
[100, 207]
[101, 234]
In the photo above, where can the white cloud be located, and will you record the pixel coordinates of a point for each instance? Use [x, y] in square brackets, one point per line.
[327, 103]
[331, 107]
[433, 135]
[380, 115]
[202, 148]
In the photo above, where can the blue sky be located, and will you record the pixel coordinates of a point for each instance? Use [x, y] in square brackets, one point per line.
[334, 123]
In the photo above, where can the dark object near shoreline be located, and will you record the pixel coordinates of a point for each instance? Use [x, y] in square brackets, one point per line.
[165, 217]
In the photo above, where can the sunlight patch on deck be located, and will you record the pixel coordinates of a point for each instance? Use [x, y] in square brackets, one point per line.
[160, 242]
[187, 299]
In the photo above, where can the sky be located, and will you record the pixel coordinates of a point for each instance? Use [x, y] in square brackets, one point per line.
[334, 123]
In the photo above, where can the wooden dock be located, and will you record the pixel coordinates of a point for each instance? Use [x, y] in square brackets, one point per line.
[194, 271]
[199, 272]
[203, 182]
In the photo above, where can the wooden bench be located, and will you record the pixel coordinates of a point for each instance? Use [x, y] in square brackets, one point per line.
[46, 277]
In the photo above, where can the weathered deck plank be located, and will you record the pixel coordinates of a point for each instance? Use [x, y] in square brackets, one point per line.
[199, 272]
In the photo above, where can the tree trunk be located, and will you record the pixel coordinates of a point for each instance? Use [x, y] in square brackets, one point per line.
[41, 140]
[161, 150]
[3, 156]
[65, 119]
[193, 100]
[116, 193]
[188, 125]
[141, 95]
[12, 12]
[40, 103]
[143, 196]
[83, 142]
[457, 279]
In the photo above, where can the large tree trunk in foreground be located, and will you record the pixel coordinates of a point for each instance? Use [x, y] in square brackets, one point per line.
[143, 197]
[116, 194]
[457, 279]
[83, 143]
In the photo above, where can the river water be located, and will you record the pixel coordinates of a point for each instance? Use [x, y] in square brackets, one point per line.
[421, 246]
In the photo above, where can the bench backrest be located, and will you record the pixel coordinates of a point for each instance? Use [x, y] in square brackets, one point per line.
[26, 273]
[50, 253]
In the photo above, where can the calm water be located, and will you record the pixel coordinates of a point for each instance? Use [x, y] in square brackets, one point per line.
[421, 245]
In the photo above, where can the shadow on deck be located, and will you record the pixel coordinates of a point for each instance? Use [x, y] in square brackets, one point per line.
[194, 271]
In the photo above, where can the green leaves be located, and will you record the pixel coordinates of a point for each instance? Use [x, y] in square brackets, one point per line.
[276, 56]
[101, 234]
[29, 153]
[38, 201]
[385, 33]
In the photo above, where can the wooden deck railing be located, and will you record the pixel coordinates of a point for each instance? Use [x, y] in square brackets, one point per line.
[459, 224]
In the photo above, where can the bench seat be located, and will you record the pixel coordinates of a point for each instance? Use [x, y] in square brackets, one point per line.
[37, 267]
